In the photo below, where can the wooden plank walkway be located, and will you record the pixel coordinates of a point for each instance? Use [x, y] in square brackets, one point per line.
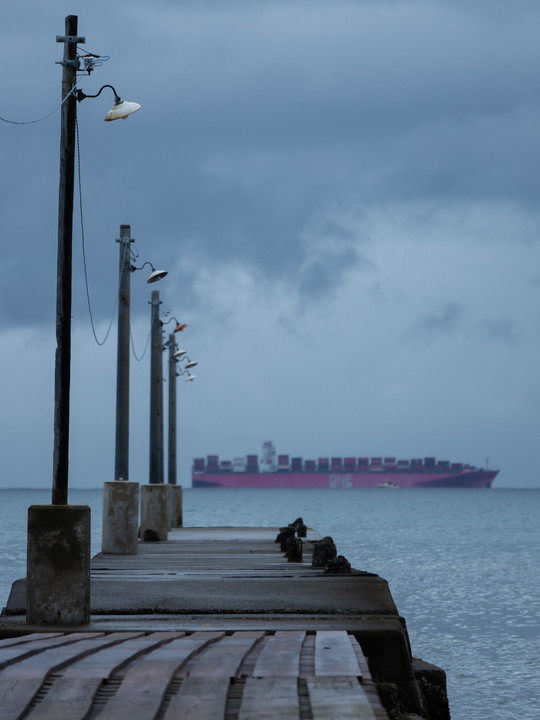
[212, 624]
[203, 675]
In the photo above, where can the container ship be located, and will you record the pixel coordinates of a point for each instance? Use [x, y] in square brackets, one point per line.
[283, 471]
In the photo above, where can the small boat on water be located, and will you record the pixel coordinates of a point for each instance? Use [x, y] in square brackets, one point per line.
[387, 485]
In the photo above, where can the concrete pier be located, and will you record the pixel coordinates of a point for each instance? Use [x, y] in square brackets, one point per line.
[120, 518]
[176, 505]
[58, 565]
[155, 521]
[223, 605]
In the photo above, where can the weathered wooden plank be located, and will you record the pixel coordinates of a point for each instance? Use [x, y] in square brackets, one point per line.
[141, 692]
[110, 659]
[16, 653]
[225, 658]
[6, 642]
[270, 698]
[335, 698]
[72, 694]
[362, 660]
[334, 655]
[198, 699]
[20, 682]
[280, 656]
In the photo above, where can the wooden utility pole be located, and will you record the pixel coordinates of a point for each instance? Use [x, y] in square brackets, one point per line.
[156, 395]
[64, 262]
[171, 467]
[121, 460]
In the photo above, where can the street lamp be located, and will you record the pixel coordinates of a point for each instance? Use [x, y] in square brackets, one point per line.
[175, 355]
[121, 471]
[121, 497]
[179, 327]
[70, 65]
[156, 390]
[58, 572]
[154, 276]
[119, 111]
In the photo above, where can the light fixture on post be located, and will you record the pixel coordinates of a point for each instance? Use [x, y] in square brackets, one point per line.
[121, 497]
[154, 522]
[154, 276]
[179, 327]
[70, 96]
[175, 355]
[119, 111]
[122, 374]
[58, 582]
[187, 367]
[156, 394]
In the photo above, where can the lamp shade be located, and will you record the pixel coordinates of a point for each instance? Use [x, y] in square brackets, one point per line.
[121, 110]
[156, 275]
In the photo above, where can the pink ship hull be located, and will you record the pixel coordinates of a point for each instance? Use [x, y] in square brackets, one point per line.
[343, 480]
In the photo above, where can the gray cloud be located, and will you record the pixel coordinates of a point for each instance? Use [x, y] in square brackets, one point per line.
[315, 175]
[445, 321]
[501, 330]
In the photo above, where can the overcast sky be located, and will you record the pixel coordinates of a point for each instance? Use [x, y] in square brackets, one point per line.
[345, 195]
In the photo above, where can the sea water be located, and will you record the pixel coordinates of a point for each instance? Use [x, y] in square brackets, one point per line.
[463, 568]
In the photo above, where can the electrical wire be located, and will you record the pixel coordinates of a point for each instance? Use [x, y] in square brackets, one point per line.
[102, 342]
[145, 347]
[30, 122]
[126, 250]
[90, 61]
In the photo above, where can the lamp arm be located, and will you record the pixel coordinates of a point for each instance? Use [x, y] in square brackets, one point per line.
[81, 95]
[133, 268]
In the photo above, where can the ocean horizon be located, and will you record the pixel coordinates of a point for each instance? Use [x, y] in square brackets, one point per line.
[462, 566]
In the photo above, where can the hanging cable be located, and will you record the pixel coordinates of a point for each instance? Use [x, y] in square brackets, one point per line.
[30, 122]
[84, 252]
[145, 347]
[89, 62]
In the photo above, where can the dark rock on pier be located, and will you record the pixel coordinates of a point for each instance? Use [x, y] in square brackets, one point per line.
[324, 551]
[338, 565]
[293, 551]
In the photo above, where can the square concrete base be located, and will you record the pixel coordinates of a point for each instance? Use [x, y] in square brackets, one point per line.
[120, 518]
[58, 565]
[154, 512]
[176, 506]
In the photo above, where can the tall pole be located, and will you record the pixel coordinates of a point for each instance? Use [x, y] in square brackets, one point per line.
[121, 459]
[62, 375]
[156, 395]
[171, 468]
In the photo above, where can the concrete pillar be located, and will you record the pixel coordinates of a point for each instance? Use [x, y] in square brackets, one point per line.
[154, 512]
[120, 518]
[176, 506]
[58, 565]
